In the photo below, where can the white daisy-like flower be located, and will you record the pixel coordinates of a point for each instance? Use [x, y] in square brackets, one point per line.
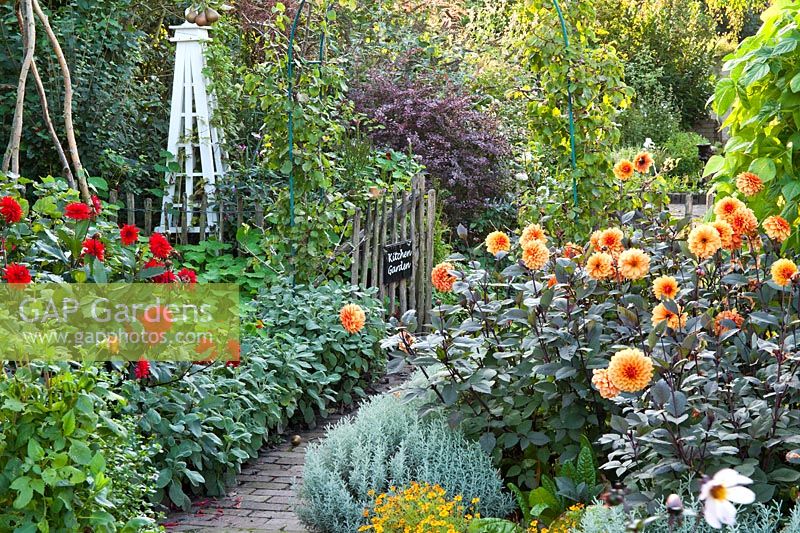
[720, 493]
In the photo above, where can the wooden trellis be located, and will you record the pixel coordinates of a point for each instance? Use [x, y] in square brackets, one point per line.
[397, 218]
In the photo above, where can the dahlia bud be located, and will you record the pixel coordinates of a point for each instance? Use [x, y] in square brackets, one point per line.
[700, 272]
[462, 232]
[674, 504]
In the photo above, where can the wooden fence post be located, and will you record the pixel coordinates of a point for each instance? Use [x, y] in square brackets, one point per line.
[259, 215]
[201, 230]
[376, 239]
[403, 237]
[393, 285]
[131, 209]
[356, 247]
[429, 246]
[185, 219]
[367, 235]
[422, 311]
[112, 199]
[148, 216]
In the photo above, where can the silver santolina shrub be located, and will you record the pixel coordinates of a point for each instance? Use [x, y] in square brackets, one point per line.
[386, 444]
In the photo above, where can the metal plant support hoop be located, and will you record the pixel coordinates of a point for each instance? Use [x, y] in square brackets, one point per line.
[569, 107]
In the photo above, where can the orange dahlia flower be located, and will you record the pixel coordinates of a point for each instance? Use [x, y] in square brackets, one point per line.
[352, 318]
[442, 278]
[531, 233]
[634, 263]
[611, 240]
[749, 184]
[603, 383]
[743, 222]
[665, 287]
[704, 241]
[406, 341]
[725, 233]
[623, 170]
[674, 320]
[643, 161]
[727, 207]
[497, 242]
[777, 228]
[733, 316]
[599, 265]
[535, 255]
[572, 250]
[629, 370]
[594, 240]
[783, 271]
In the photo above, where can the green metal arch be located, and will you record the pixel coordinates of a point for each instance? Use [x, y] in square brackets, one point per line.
[569, 107]
[290, 95]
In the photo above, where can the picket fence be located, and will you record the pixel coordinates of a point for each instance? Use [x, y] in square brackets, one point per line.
[388, 219]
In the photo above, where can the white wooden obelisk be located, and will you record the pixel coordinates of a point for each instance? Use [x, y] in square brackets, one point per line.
[193, 140]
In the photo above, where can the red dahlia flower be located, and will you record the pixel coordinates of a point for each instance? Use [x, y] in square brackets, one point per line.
[78, 211]
[10, 210]
[97, 205]
[95, 248]
[187, 276]
[142, 369]
[160, 246]
[167, 276]
[128, 234]
[16, 273]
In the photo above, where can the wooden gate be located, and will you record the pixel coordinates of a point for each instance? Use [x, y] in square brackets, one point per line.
[390, 226]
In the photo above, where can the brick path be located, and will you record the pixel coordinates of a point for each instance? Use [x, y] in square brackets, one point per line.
[263, 499]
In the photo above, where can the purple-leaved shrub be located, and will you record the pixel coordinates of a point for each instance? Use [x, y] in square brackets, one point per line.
[462, 147]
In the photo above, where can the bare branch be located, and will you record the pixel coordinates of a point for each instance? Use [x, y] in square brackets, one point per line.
[46, 115]
[72, 145]
[11, 157]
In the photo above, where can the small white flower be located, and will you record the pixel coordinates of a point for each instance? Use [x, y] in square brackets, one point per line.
[649, 144]
[720, 493]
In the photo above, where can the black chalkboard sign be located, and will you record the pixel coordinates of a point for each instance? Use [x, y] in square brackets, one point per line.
[397, 263]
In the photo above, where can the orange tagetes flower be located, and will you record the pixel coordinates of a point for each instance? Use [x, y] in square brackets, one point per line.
[777, 228]
[749, 184]
[725, 233]
[704, 241]
[634, 263]
[732, 316]
[531, 233]
[643, 161]
[441, 277]
[610, 240]
[623, 170]
[727, 207]
[599, 265]
[497, 242]
[629, 370]
[352, 318]
[674, 320]
[665, 287]
[783, 270]
[535, 255]
[552, 282]
[603, 383]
